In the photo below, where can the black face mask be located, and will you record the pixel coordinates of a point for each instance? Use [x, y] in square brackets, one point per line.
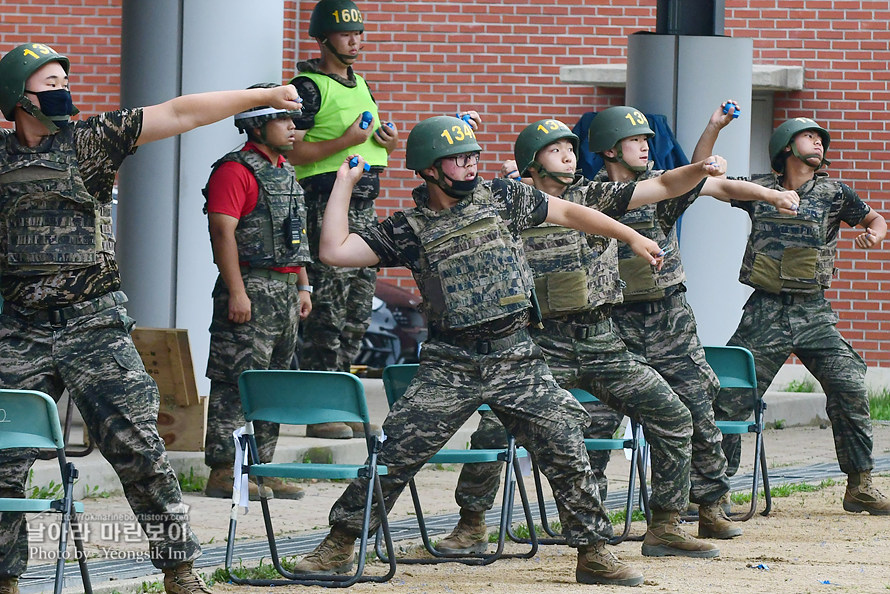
[56, 104]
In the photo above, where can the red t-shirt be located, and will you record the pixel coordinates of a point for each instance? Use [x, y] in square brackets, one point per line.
[233, 191]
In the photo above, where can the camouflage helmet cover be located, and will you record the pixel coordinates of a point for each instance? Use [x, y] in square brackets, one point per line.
[614, 124]
[436, 138]
[785, 133]
[536, 136]
[330, 16]
[17, 65]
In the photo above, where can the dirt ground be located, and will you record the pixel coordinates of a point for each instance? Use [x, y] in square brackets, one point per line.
[807, 544]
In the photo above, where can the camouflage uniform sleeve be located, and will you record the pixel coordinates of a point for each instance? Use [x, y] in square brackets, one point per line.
[394, 242]
[669, 211]
[522, 206]
[850, 209]
[610, 198]
[102, 143]
[311, 97]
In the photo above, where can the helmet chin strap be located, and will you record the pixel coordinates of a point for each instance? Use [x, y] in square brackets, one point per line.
[344, 59]
[41, 117]
[806, 158]
[458, 189]
[619, 158]
[560, 177]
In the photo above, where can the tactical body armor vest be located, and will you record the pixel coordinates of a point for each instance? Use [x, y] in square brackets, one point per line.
[340, 106]
[262, 237]
[49, 222]
[791, 253]
[642, 281]
[573, 271]
[477, 272]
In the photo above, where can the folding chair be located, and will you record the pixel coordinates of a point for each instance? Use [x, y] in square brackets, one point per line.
[734, 367]
[30, 419]
[635, 444]
[396, 379]
[303, 398]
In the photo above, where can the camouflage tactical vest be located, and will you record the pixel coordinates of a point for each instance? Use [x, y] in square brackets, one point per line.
[573, 271]
[261, 234]
[477, 272]
[49, 222]
[791, 253]
[642, 281]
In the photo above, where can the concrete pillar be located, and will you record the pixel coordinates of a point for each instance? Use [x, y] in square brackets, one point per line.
[686, 78]
[169, 48]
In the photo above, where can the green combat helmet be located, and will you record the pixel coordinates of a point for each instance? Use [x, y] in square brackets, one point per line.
[613, 125]
[438, 137]
[16, 66]
[334, 16]
[256, 117]
[536, 136]
[783, 136]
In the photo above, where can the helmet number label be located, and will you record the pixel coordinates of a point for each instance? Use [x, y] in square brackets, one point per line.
[549, 125]
[460, 133]
[347, 15]
[40, 48]
[636, 118]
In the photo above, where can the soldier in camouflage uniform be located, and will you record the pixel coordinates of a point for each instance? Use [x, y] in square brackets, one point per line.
[63, 321]
[257, 226]
[789, 261]
[330, 127]
[577, 284]
[462, 237]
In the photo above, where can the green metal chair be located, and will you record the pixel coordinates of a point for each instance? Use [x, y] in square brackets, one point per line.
[396, 379]
[303, 398]
[734, 367]
[636, 444]
[30, 419]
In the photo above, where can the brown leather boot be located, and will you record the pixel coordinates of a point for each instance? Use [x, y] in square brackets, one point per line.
[219, 485]
[335, 554]
[469, 536]
[9, 585]
[358, 429]
[714, 523]
[597, 565]
[863, 496]
[283, 489]
[182, 579]
[664, 537]
[329, 431]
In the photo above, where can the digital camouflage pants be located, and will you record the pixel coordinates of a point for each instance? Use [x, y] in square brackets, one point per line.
[267, 341]
[602, 365]
[772, 331]
[94, 358]
[668, 341]
[449, 386]
[341, 303]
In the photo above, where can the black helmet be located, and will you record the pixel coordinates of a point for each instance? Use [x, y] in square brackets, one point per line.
[255, 117]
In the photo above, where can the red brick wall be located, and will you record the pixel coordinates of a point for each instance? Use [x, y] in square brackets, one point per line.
[502, 58]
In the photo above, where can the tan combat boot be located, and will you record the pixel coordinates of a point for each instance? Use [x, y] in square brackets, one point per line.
[335, 554]
[596, 565]
[182, 579]
[329, 431]
[9, 585]
[219, 484]
[469, 536]
[863, 496]
[283, 489]
[664, 537]
[358, 429]
[714, 523]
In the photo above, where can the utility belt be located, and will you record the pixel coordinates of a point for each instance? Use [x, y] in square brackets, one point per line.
[480, 346]
[652, 306]
[58, 317]
[285, 277]
[581, 326]
[794, 298]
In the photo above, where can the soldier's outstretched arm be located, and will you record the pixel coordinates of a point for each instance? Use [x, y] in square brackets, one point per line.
[676, 182]
[722, 189]
[337, 246]
[568, 214]
[192, 111]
